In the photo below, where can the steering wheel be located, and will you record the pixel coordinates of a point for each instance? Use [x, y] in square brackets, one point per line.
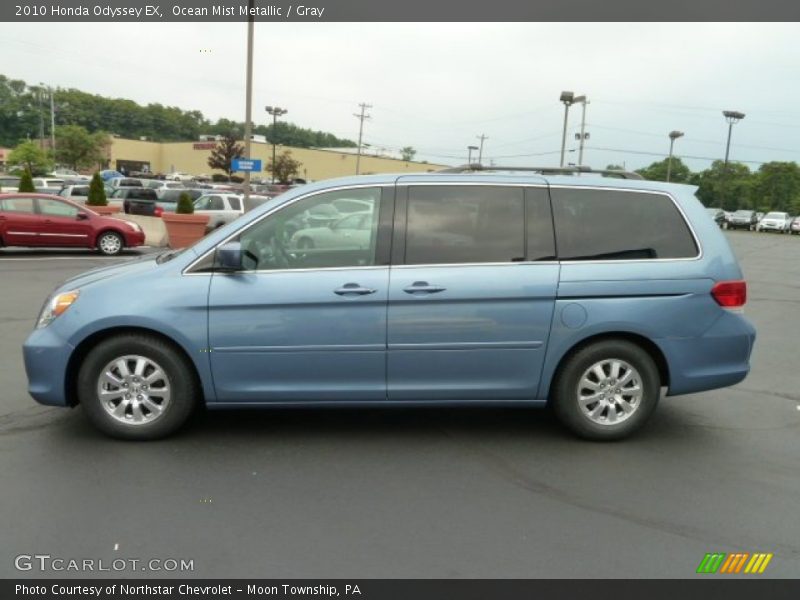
[282, 257]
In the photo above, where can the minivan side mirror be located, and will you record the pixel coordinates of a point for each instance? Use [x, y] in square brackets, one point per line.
[229, 256]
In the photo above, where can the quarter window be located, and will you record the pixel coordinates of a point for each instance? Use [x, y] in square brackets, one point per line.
[619, 225]
[465, 224]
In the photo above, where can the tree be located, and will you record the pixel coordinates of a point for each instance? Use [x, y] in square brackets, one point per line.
[30, 156]
[26, 182]
[777, 186]
[657, 171]
[79, 149]
[185, 205]
[728, 188]
[224, 153]
[285, 167]
[97, 192]
[408, 153]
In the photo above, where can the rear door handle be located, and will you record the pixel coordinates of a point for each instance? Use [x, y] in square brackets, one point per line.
[354, 289]
[423, 287]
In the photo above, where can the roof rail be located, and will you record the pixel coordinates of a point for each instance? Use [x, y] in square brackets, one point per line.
[546, 170]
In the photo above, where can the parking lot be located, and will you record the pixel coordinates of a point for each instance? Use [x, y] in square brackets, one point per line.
[461, 493]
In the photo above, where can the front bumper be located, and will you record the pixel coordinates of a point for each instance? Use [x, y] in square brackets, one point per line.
[134, 238]
[46, 357]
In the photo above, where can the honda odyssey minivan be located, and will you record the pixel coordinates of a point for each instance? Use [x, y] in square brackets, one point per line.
[593, 295]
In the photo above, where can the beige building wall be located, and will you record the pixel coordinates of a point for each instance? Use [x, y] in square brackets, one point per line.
[192, 157]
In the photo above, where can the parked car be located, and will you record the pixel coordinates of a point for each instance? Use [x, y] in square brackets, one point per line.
[69, 175]
[179, 176]
[168, 199]
[77, 193]
[124, 182]
[775, 221]
[46, 185]
[743, 219]
[110, 174]
[137, 201]
[159, 185]
[718, 215]
[51, 221]
[353, 231]
[641, 298]
[220, 208]
[9, 183]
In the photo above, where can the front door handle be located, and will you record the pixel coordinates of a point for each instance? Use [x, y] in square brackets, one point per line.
[354, 289]
[423, 287]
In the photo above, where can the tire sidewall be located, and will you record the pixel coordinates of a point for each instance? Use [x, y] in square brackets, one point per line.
[565, 402]
[184, 391]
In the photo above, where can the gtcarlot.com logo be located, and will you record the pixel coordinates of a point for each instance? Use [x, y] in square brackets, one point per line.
[735, 563]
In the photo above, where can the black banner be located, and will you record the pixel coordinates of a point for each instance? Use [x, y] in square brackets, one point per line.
[405, 11]
[403, 589]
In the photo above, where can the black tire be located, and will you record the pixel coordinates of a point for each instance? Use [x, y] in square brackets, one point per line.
[565, 392]
[110, 243]
[185, 392]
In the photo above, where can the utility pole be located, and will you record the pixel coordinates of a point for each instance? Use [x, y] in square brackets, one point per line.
[41, 119]
[673, 135]
[275, 111]
[248, 107]
[52, 122]
[482, 137]
[584, 101]
[363, 115]
[469, 153]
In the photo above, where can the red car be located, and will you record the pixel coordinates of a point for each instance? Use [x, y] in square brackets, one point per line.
[50, 221]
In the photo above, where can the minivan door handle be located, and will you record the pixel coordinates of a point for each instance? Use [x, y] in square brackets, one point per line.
[423, 287]
[353, 288]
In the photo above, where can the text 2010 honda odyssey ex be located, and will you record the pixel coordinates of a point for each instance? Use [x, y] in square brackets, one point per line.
[583, 292]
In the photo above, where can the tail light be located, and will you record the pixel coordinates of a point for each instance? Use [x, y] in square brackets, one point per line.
[158, 211]
[730, 294]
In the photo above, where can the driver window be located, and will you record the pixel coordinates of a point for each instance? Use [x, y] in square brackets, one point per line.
[307, 234]
[54, 208]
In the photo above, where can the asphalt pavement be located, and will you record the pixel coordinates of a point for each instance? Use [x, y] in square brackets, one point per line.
[467, 493]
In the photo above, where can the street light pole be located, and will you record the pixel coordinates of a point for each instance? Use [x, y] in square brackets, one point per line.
[248, 110]
[567, 98]
[482, 137]
[275, 111]
[732, 117]
[673, 135]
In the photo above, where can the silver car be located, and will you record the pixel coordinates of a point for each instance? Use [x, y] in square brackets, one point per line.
[775, 221]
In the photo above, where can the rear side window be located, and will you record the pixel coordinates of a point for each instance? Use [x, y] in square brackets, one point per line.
[235, 203]
[17, 205]
[619, 225]
[465, 224]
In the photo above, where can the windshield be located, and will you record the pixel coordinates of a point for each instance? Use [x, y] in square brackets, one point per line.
[775, 215]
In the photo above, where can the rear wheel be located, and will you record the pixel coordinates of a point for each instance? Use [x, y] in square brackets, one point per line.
[137, 387]
[110, 243]
[607, 390]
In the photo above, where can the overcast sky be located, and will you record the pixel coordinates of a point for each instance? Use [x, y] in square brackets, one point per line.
[437, 86]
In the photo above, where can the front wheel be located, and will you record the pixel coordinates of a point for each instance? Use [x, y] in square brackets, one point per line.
[607, 390]
[137, 387]
[110, 243]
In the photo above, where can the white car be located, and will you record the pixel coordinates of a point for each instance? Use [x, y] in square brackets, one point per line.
[775, 221]
[159, 185]
[179, 176]
[353, 232]
[76, 193]
[45, 185]
[220, 208]
[9, 183]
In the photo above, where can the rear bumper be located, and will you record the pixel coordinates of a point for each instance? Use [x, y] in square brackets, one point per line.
[717, 359]
[46, 357]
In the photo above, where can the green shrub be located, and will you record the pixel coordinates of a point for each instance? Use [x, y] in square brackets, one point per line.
[26, 182]
[185, 205]
[219, 178]
[97, 192]
[237, 179]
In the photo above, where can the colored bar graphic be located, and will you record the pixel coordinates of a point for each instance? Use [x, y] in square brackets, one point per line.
[735, 562]
[758, 564]
[711, 562]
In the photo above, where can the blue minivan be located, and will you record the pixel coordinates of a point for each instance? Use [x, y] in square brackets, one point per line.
[593, 295]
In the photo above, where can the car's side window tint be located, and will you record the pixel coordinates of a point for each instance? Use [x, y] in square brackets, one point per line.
[235, 203]
[619, 225]
[312, 234]
[539, 220]
[54, 208]
[465, 224]
[17, 205]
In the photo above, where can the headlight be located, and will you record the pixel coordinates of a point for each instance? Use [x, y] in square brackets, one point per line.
[56, 306]
[134, 226]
